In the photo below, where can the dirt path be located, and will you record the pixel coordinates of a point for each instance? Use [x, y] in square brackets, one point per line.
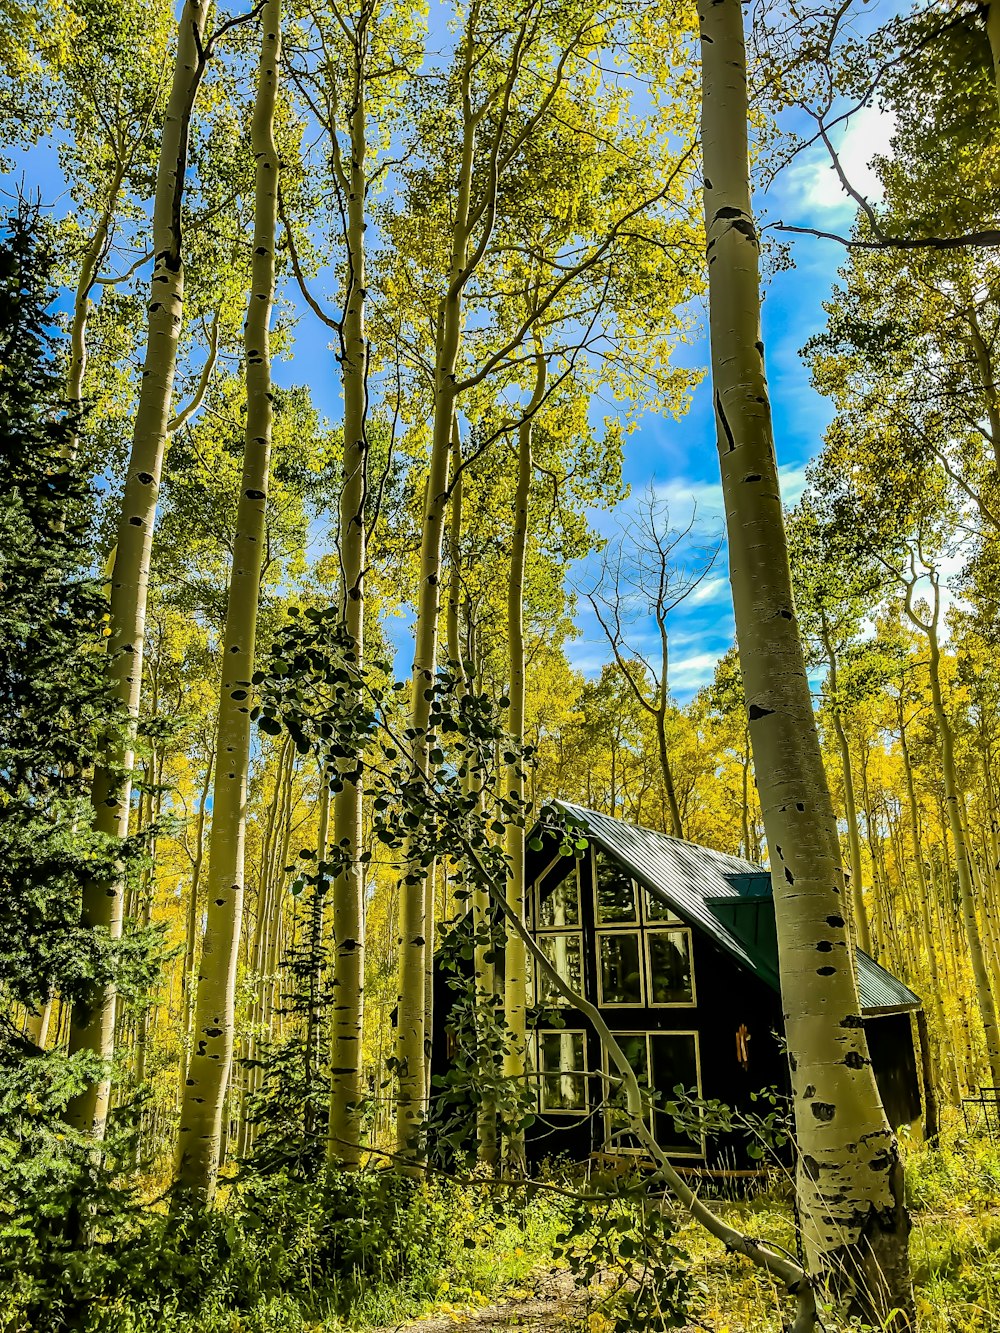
[554, 1302]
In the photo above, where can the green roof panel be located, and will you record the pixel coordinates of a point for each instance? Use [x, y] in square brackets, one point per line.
[727, 897]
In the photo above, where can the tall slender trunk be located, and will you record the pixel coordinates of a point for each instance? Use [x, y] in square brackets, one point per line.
[92, 256]
[880, 938]
[952, 800]
[347, 1016]
[257, 953]
[410, 1036]
[850, 1178]
[660, 716]
[200, 1131]
[515, 958]
[317, 941]
[483, 972]
[983, 359]
[93, 1020]
[857, 898]
[923, 890]
[191, 940]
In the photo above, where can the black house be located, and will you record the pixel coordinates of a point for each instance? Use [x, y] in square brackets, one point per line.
[676, 945]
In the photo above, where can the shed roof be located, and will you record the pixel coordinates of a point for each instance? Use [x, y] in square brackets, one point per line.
[728, 897]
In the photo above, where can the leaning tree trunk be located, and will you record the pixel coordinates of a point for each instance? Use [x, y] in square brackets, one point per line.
[347, 1018]
[850, 1178]
[93, 1020]
[200, 1132]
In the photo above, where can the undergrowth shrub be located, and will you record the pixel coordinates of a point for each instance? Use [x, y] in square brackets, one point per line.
[283, 1255]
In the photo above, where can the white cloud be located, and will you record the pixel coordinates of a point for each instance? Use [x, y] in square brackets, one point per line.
[865, 136]
[681, 494]
[708, 592]
[690, 673]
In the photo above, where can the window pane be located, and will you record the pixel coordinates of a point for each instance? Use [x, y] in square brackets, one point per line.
[657, 909]
[621, 977]
[634, 1049]
[615, 890]
[670, 967]
[564, 1084]
[675, 1064]
[565, 955]
[559, 897]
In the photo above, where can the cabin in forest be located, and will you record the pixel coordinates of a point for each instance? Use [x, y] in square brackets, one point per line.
[676, 945]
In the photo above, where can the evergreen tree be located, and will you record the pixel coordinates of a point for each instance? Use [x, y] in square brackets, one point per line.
[54, 708]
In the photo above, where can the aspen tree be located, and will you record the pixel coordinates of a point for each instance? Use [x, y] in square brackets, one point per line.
[923, 890]
[346, 1083]
[849, 1186]
[515, 989]
[93, 1023]
[112, 91]
[483, 969]
[200, 1132]
[953, 801]
[500, 104]
[364, 48]
[857, 897]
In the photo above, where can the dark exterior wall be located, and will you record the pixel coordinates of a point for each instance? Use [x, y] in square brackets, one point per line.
[890, 1044]
[728, 997]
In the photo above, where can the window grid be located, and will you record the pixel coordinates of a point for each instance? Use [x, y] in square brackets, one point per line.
[610, 1077]
[643, 925]
[583, 1072]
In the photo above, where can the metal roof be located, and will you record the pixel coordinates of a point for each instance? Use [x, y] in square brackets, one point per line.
[728, 897]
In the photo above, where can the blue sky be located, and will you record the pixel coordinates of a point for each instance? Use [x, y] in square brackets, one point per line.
[678, 458]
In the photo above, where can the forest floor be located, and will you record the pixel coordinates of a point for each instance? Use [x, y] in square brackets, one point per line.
[954, 1197]
[548, 1299]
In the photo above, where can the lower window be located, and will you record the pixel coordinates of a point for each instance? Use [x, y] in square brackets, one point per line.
[562, 1071]
[662, 1061]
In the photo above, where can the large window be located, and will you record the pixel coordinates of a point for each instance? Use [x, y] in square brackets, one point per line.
[643, 950]
[562, 1070]
[620, 970]
[558, 895]
[557, 906]
[668, 964]
[616, 899]
[663, 1062]
[564, 950]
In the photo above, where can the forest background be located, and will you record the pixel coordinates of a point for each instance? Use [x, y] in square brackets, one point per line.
[495, 221]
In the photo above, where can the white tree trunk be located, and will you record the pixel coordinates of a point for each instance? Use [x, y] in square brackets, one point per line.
[200, 1133]
[92, 1024]
[850, 1178]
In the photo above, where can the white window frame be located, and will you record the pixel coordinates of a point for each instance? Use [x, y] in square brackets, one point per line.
[559, 999]
[536, 897]
[636, 922]
[643, 925]
[608, 1076]
[660, 929]
[620, 1004]
[540, 1071]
